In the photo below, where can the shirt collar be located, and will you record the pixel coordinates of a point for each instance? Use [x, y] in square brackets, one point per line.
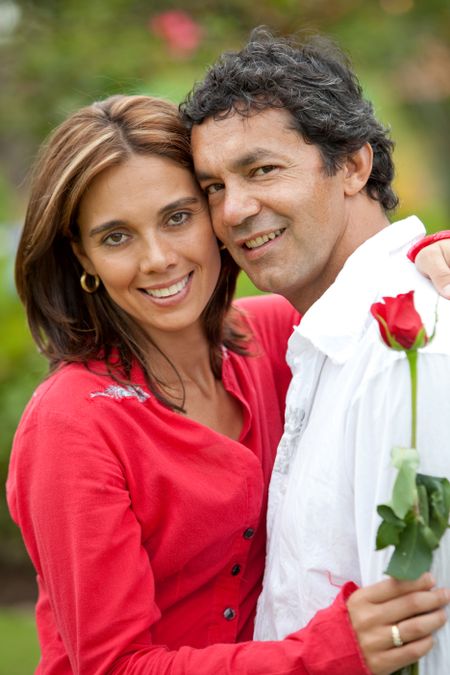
[335, 322]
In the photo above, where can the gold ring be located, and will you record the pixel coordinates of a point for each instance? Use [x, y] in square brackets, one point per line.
[396, 637]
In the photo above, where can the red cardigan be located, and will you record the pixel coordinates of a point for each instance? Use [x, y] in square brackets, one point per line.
[147, 529]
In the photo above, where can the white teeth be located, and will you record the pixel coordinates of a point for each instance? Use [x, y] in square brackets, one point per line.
[259, 241]
[169, 290]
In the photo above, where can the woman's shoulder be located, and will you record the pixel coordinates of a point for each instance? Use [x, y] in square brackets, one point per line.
[70, 380]
[73, 386]
[268, 314]
[269, 321]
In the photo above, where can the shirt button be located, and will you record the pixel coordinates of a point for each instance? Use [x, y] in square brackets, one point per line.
[229, 614]
[249, 532]
[235, 570]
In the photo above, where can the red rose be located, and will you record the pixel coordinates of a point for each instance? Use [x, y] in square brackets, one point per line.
[400, 324]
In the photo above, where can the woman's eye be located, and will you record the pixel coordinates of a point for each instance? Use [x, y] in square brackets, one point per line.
[178, 218]
[115, 239]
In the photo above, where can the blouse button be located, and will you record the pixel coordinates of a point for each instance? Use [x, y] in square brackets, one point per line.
[235, 570]
[229, 614]
[249, 532]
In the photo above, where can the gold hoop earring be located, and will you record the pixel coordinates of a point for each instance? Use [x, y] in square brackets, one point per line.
[84, 282]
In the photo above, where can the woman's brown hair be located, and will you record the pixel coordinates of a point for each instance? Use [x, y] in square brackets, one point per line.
[68, 324]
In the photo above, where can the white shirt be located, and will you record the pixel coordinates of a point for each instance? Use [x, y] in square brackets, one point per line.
[347, 406]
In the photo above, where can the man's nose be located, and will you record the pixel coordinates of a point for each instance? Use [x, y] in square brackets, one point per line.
[239, 204]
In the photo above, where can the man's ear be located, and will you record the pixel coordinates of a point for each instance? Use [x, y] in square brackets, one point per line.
[83, 259]
[357, 170]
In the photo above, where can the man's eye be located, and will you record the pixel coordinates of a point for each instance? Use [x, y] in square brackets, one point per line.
[213, 188]
[262, 170]
[115, 239]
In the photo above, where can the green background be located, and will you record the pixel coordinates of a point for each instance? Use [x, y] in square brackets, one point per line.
[56, 55]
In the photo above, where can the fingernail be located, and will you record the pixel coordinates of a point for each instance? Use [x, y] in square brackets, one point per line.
[447, 594]
[446, 291]
[428, 578]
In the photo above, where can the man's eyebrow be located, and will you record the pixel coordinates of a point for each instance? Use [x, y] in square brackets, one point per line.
[256, 155]
[177, 204]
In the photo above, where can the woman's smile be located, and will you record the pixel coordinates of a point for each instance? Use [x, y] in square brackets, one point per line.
[171, 292]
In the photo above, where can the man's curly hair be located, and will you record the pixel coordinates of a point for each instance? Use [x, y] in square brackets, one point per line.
[312, 80]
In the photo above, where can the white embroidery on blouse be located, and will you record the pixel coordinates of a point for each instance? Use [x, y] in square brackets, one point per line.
[118, 393]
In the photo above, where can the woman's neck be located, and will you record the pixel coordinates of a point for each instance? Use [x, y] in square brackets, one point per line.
[182, 357]
[187, 379]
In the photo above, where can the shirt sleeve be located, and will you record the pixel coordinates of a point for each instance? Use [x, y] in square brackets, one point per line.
[78, 523]
[326, 645]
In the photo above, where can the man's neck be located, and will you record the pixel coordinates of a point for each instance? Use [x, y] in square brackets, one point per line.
[366, 220]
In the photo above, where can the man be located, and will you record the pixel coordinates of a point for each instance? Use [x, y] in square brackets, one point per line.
[298, 175]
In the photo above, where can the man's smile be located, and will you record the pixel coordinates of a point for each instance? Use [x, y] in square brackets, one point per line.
[262, 239]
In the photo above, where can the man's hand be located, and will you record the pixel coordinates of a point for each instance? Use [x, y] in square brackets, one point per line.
[414, 608]
[434, 262]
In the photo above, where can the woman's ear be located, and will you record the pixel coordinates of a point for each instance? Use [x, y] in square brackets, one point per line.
[83, 259]
[357, 169]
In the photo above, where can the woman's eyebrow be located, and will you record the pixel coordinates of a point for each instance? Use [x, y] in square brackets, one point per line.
[106, 226]
[177, 204]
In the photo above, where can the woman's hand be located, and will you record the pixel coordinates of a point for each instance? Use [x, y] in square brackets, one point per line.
[434, 262]
[412, 606]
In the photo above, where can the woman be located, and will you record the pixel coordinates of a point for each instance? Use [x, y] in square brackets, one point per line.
[140, 468]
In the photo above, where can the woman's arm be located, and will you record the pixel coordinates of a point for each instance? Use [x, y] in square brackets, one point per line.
[69, 494]
[432, 257]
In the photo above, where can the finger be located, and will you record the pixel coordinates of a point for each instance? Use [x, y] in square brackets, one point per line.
[434, 262]
[393, 588]
[413, 604]
[398, 657]
[420, 626]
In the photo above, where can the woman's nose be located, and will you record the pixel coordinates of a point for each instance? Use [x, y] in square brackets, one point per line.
[157, 255]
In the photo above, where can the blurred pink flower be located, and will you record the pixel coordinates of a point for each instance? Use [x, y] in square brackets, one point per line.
[179, 31]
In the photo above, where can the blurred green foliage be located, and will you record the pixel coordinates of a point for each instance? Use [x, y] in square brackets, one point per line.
[56, 55]
[19, 647]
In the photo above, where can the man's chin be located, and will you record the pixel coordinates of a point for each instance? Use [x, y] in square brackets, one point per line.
[265, 283]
